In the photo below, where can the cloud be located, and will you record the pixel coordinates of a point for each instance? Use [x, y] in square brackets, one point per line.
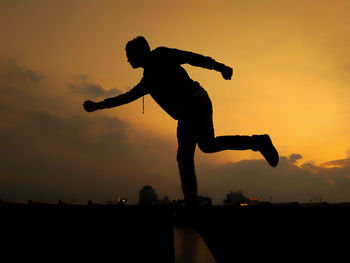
[85, 87]
[337, 163]
[49, 152]
[286, 182]
[293, 158]
[16, 73]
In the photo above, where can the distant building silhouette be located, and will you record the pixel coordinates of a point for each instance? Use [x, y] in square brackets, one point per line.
[148, 196]
[165, 201]
[121, 200]
[235, 198]
[206, 201]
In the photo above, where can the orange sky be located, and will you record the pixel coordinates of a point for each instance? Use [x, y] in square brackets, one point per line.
[291, 63]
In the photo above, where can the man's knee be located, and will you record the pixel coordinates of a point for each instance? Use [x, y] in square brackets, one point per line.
[206, 146]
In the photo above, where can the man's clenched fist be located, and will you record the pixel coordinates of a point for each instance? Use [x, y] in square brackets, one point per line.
[90, 106]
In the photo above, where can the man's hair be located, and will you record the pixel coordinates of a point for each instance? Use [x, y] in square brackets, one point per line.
[138, 45]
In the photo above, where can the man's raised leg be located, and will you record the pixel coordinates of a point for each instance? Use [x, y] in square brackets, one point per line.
[261, 143]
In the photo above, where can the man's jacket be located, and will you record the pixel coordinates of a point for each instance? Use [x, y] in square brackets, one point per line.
[167, 81]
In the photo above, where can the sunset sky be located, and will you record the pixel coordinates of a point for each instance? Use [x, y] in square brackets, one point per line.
[291, 62]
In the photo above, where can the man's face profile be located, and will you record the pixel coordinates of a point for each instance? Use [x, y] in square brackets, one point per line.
[132, 59]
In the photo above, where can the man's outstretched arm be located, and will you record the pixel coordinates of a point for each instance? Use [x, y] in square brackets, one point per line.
[136, 92]
[186, 57]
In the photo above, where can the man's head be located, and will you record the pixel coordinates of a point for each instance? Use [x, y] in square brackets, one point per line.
[137, 51]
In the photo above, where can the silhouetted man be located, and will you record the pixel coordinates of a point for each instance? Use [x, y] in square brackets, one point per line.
[186, 101]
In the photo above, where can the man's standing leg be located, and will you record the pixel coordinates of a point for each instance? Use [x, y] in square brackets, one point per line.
[185, 159]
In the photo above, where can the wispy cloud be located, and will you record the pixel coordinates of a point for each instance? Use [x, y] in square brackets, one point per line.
[337, 163]
[16, 73]
[293, 158]
[83, 86]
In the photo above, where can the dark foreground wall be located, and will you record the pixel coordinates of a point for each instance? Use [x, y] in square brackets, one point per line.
[47, 233]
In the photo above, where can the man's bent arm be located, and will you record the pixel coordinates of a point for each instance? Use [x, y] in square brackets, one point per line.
[136, 92]
[186, 57]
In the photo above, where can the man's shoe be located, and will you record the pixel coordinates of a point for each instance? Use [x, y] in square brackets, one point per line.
[263, 144]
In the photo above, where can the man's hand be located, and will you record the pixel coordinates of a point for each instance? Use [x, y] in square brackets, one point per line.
[226, 72]
[90, 106]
